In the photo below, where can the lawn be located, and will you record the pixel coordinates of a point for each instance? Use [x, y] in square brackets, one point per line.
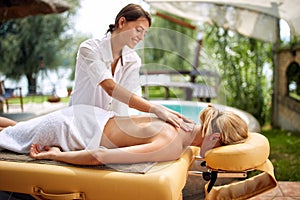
[35, 99]
[285, 153]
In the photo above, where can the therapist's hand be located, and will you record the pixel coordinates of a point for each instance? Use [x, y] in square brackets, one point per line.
[173, 117]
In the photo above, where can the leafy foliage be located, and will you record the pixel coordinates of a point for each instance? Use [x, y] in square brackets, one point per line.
[30, 44]
[241, 62]
[293, 75]
[284, 153]
[169, 45]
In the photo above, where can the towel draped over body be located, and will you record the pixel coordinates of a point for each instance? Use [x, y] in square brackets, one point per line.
[72, 128]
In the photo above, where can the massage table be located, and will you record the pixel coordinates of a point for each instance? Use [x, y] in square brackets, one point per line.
[163, 181]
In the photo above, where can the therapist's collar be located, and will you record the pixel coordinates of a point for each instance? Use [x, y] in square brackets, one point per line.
[107, 54]
[128, 55]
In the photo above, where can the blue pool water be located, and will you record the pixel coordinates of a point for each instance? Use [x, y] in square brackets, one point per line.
[193, 109]
[190, 111]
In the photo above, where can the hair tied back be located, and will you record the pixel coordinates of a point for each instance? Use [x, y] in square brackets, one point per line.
[111, 28]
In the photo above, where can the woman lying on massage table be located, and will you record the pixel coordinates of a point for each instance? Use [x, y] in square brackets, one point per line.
[86, 135]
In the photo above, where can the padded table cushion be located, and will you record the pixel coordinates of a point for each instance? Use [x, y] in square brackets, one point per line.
[248, 155]
[164, 181]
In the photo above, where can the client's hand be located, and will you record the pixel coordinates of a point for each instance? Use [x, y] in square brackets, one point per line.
[47, 153]
[210, 141]
[173, 117]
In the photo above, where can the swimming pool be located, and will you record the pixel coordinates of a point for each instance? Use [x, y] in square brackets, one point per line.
[192, 109]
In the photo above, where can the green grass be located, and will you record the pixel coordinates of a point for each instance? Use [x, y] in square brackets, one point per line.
[35, 99]
[157, 92]
[294, 95]
[285, 153]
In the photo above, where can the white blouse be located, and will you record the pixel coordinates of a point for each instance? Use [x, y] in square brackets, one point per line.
[93, 65]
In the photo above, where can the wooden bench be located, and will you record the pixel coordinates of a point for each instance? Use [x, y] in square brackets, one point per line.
[201, 91]
[10, 93]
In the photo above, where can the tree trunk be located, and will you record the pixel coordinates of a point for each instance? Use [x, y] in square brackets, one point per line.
[31, 84]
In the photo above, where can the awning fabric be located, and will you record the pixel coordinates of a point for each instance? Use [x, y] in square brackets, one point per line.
[252, 18]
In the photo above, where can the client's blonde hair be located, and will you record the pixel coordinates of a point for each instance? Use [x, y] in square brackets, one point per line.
[233, 128]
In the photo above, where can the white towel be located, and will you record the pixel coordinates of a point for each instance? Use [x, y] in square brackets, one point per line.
[73, 128]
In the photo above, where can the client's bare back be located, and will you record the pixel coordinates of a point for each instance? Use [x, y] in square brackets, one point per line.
[129, 131]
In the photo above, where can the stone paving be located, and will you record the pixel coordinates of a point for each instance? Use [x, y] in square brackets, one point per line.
[31, 110]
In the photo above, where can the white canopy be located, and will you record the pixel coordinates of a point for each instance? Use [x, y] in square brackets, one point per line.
[253, 18]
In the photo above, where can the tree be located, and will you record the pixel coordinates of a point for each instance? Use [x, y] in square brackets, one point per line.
[168, 44]
[241, 62]
[33, 43]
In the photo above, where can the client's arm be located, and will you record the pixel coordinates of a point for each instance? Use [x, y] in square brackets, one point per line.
[150, 152]
[81, 157]
[5, 122]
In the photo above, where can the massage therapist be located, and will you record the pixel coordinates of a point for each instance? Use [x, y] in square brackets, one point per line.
[107, 69]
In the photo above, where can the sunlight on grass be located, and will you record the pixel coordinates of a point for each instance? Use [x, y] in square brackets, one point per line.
[156, 92]
[35, 99]
[285, 154]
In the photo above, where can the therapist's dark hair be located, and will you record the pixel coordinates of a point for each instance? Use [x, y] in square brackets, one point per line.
[131, 12]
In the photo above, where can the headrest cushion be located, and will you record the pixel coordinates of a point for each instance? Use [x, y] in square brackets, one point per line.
[238, 157]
